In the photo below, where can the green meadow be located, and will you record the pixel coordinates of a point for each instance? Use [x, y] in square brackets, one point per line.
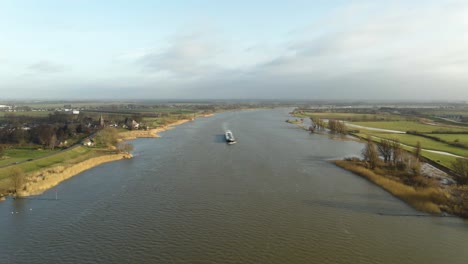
[411, 126]
[404, 123]
[19, 154]
[69, 155]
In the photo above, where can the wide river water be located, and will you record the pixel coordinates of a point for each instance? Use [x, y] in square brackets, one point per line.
[188, 197]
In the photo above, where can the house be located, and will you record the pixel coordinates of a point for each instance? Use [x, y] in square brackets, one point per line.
[88, 142]
[62, 144]
[131, 123]
[5, 107]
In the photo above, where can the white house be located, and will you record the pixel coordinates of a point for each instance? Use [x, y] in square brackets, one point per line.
[88, 142]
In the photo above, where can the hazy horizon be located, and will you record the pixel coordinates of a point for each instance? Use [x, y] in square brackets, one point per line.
[295, 50]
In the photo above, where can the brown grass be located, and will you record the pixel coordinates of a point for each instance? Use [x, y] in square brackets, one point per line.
[39, 181]
[427, 199]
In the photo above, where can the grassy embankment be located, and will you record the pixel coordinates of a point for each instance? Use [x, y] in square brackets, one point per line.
[422, 193]
[48, 169]
[23, 153]
[427, 197]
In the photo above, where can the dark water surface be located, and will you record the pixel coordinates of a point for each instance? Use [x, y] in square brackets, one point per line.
[189, 198]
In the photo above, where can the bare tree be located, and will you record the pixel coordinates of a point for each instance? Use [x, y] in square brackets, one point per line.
[460, 166]
[332, 125]
[417, 150]
[341, 127]
[396, 151]
[124, 147]
[46, 134]
[52, 141]
[317, 123]
[385, 149]
[370, 154]
[415, 166]
[17, 178]
[337, 127]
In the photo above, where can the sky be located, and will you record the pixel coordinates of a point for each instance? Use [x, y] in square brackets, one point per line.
[311, 50]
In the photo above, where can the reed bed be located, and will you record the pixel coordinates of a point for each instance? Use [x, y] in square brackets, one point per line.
[427, 199]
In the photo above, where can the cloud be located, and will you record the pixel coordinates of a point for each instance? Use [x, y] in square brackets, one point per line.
[399, 39]
[47, 67]
[373, 52]
[363, 50]
[190, 56]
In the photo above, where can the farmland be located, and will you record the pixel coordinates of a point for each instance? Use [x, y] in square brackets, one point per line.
[23, 153]
[433, 136]
[412, 126]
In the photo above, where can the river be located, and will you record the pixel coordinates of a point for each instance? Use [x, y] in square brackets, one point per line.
[188, 197]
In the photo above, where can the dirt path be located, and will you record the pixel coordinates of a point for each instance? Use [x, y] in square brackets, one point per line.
[375, 129]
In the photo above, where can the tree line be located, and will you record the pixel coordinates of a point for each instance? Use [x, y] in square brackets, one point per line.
[335, 126]
[389, 149]
[47, 135]
[395, 156]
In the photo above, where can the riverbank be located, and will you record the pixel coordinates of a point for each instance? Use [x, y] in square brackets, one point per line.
[154, 132]
[423, 194]
[39, 181]
[150, 133]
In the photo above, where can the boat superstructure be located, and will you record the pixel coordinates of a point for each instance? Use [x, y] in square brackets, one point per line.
[229, 137]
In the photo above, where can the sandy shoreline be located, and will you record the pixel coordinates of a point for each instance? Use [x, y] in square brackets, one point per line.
[150, 133]
[38, 182]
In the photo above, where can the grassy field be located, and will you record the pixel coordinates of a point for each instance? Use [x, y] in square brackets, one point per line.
[443, 160]
[20, 154]
[411, 126]
[426, 143]
[432, 144]
[352, 116]
[27, 113]
[462, 138]
[401, 123]
[70, 156]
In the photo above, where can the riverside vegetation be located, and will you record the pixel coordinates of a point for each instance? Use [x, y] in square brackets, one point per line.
[394, 160]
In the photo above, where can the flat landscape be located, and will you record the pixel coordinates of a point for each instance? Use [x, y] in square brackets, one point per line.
[419, 127]
[234, 131]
